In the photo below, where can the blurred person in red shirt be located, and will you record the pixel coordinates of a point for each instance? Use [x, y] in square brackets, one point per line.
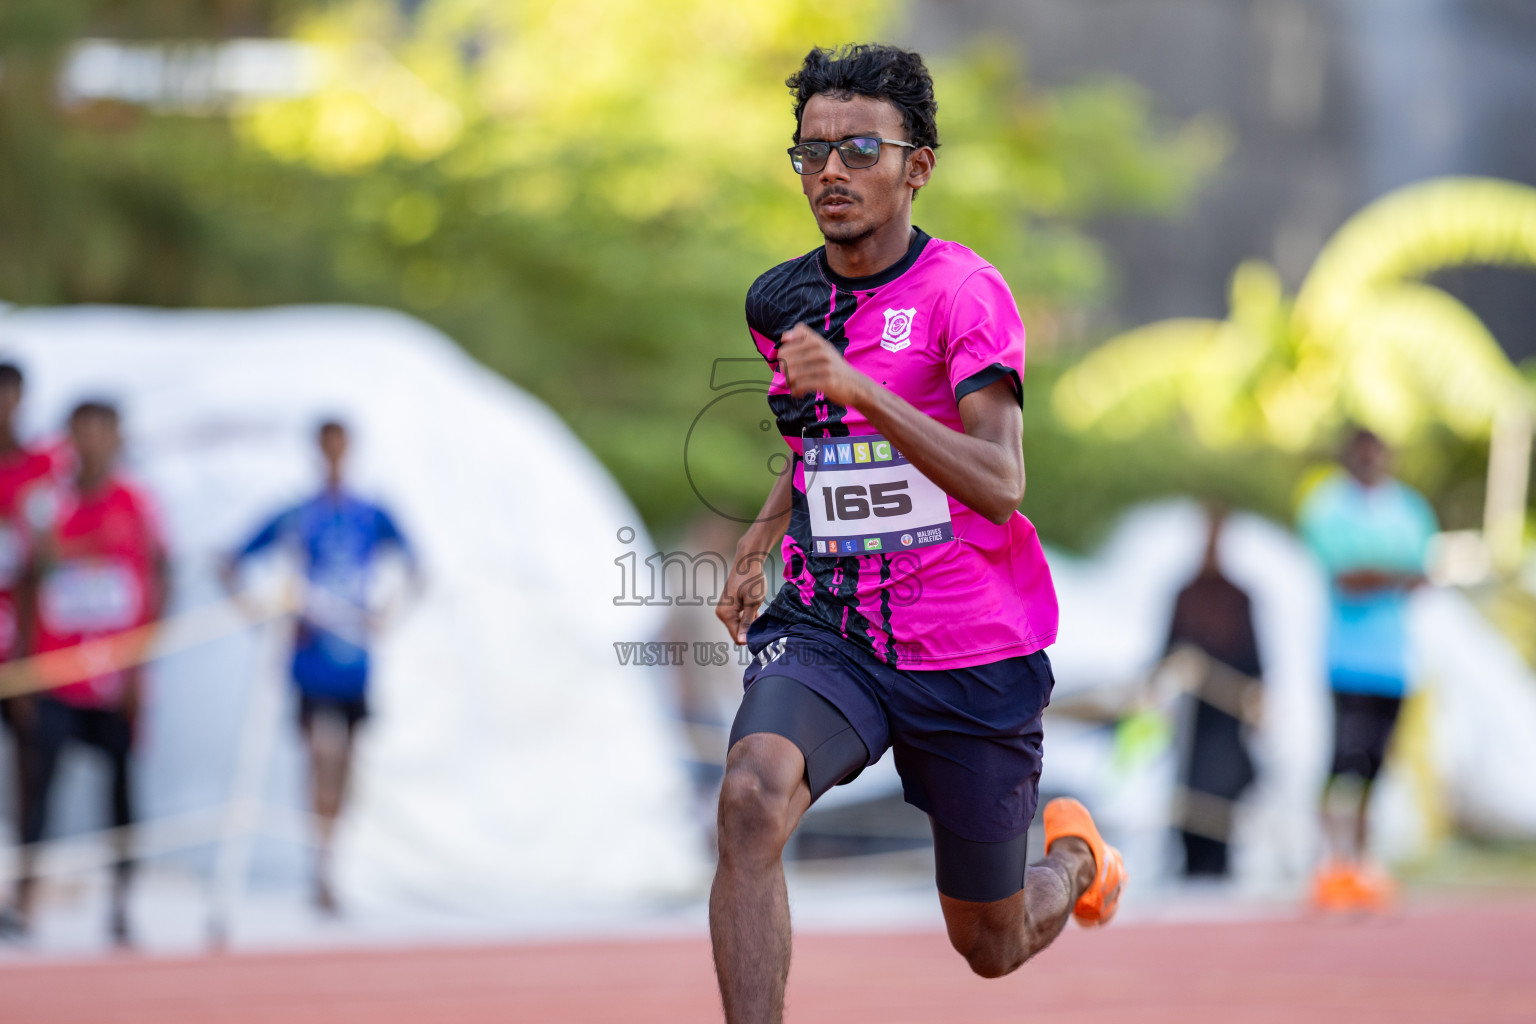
[27, 479]
[28, 476]
[99, 570]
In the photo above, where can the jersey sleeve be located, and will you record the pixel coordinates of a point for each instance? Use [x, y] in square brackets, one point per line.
[153, 523]
[41, 505]
[765, 319]
[1315, 524]
[265, 537]
[763, 344]
[42, 499]
[388, 532]
[985, 337]
[1427, 526]
[765, 322]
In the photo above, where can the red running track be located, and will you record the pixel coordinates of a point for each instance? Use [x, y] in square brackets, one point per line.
[1446, 965]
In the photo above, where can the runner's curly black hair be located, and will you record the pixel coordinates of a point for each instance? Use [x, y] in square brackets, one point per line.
[875, 70]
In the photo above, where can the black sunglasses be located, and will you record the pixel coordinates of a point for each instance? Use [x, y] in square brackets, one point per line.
[859, 151]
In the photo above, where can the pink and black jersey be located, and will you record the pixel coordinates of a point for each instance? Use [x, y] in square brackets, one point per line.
[934, 327]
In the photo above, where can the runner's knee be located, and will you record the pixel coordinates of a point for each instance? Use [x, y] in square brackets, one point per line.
[763, 773]
[992, 949]
[992, 936]
[996, 956]
[752, 816]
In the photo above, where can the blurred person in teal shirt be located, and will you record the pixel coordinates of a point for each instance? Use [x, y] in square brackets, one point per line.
[1370, 532]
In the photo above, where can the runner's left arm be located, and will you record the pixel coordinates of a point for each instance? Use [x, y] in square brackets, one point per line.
[982, 468]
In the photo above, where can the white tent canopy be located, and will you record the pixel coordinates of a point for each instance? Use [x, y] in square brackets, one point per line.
[510, 758]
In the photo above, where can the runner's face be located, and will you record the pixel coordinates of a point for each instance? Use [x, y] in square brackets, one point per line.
[851, 205]
[1368, 460]
[10, 398]
[95, 440]
[333, 445]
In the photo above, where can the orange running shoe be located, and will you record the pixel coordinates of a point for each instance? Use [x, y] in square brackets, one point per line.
[1334, 888]
[1098, 903]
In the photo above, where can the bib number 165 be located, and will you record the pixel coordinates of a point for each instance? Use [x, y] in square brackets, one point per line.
[855, 501]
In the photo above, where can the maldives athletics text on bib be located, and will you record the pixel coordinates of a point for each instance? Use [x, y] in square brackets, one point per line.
[865, 498]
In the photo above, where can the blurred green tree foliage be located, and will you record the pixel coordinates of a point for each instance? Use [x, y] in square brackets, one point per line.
[579, 192]
[1367, 339]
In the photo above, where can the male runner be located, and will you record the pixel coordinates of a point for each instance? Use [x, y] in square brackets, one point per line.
[99, 571]
[336, 536]
[1370, 533]
[917, 603]
[26, 478]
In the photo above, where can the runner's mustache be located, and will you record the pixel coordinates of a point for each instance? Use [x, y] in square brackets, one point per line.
[836, 191]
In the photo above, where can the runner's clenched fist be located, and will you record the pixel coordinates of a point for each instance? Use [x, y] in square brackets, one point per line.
[810, 364]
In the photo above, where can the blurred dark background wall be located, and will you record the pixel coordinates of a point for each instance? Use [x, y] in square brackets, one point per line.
[1329, 104]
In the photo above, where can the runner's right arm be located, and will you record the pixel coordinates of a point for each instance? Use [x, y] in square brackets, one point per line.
[746, 584]
[982, 466]
[229, 565]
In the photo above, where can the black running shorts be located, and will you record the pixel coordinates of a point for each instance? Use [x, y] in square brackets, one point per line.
[1362, 728]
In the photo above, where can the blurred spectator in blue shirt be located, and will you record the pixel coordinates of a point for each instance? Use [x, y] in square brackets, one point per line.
[1370, 533]
[336, 537]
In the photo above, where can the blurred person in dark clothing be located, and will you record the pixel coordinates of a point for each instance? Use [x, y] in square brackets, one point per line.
[1213, 616]
[336, 537]
[99, 571]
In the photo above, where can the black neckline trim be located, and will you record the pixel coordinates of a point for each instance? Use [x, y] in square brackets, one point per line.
[920, 240]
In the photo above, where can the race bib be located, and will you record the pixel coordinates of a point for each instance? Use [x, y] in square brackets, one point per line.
[865, 498]
[90, 597]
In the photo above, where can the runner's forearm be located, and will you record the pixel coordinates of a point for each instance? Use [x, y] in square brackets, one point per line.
[983, 470]
[772, 521]
[1364, 581]
[162, 596]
